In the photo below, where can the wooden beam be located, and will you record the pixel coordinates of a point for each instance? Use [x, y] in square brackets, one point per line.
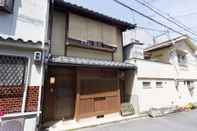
[118, 89]
[77, 95]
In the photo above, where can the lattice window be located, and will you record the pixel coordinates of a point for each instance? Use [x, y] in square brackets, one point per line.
[12, 70]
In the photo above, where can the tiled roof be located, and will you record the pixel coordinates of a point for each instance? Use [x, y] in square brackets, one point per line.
[66, 6]
[74, 61]
[19, 40]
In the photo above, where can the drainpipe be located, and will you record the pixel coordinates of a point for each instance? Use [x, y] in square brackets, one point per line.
[26, 86]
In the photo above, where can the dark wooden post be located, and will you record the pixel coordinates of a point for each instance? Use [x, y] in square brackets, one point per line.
[118, 88]
[77, 96]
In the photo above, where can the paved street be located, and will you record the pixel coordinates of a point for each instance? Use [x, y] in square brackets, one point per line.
[184, 121]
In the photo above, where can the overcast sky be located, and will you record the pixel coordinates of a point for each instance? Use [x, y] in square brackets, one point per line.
[185, 11]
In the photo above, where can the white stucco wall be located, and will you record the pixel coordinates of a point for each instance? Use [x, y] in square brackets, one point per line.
[150, 71]
[28, 20]
[155, 97]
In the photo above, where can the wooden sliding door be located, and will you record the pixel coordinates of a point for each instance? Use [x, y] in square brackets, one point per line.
[99, 92]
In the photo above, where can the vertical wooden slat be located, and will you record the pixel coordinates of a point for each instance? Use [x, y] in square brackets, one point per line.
[118, 89]
[77, 96]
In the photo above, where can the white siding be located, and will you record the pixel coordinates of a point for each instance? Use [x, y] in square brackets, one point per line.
[28, 21]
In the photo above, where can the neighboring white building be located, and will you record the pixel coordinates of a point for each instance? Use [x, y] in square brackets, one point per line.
[168, 77]
[23, 28]
[138, 34]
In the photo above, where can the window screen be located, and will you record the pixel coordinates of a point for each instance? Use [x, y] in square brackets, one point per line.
[12, 70]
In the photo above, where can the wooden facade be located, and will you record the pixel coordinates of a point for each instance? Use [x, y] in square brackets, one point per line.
[81, 92]
[98, 91]
[84, 77]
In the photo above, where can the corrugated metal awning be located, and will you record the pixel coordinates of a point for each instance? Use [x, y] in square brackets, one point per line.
[74, 61]
[20, 40]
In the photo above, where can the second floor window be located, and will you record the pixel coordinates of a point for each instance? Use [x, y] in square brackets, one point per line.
[182, 59]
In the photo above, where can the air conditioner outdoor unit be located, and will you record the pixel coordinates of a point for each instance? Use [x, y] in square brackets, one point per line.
[12, 125]
[38, 56]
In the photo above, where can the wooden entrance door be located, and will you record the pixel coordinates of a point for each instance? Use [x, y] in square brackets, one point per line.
[60, 97]
[64, 98]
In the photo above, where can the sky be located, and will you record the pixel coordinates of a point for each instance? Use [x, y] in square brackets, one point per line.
[184, 11]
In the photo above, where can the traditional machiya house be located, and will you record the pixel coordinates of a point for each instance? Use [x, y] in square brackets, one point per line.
[22, 37]
[166, 74]
[86, 73]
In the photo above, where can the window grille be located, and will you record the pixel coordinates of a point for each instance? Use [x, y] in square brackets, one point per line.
[12, 70]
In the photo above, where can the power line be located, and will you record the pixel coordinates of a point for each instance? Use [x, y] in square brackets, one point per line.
[184, 27]
[173, 18]
[151, 29]
[138, 12]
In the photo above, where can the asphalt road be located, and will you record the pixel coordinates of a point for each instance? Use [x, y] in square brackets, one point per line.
[184, 121]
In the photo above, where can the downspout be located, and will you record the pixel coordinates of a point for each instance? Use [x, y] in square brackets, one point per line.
[26, 86]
